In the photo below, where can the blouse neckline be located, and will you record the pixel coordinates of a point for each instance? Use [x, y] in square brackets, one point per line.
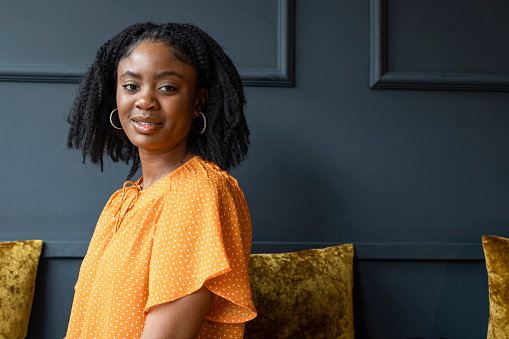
[169, 176]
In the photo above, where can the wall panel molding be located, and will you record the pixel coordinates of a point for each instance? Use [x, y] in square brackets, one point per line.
[363, 251]
[382, 78]
[49, 73]
[282, 75]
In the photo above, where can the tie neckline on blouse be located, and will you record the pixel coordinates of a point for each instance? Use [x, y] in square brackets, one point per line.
[119, 215]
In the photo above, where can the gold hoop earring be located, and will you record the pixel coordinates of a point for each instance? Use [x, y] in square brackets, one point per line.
[204, 124]
[111, 119]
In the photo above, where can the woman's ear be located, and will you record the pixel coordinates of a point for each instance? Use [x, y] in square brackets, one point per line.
[201, 98]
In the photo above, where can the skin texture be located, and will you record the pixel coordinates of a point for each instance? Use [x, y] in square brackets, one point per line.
[157, 99]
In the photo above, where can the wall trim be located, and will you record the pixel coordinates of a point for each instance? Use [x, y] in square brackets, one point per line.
[281, 76]
[284, 73]
[382, 78]
[363, 250]
[50, 73]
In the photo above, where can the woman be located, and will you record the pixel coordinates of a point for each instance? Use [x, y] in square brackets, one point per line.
[170, 253]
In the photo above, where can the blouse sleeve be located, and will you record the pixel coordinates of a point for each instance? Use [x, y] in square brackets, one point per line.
[203, 237]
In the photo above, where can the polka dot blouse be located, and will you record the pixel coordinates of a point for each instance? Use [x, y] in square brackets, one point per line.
[152, 246]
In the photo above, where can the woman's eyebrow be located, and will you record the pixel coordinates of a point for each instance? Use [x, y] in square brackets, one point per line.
[157, 76]
[167, 73]
[131, 74]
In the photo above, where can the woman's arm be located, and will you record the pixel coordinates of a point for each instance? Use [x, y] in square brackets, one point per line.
[179, 319]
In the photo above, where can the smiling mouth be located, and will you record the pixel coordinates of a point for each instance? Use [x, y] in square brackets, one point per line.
[145, 126]
[145, 123]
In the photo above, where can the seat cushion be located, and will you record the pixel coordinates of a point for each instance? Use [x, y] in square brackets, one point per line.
[18, 268]
[306, 294]
[496, 252]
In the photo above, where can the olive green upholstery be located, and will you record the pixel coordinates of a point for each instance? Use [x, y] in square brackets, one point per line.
[305, 294]
[18, 268]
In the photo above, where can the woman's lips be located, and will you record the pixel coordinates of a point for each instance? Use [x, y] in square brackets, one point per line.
[145, 126]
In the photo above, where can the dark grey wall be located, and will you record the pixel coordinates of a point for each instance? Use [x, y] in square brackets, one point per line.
[394, 137]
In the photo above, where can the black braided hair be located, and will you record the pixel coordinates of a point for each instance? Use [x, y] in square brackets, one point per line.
[226, 139]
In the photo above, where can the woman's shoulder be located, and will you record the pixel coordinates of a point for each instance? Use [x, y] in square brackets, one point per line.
[203, 173]
[115, 197]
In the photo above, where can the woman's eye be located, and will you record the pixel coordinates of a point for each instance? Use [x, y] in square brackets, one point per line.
[167, 88]
[130, 87]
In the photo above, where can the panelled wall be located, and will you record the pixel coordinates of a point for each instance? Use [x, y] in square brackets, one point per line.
[383, 123]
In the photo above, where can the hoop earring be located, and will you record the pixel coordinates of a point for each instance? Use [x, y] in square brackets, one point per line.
[111, 119]
[204, 124]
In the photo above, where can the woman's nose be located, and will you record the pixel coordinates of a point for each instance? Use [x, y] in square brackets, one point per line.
[147, 101]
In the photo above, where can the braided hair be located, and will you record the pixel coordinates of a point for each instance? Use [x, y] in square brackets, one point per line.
[226, 140]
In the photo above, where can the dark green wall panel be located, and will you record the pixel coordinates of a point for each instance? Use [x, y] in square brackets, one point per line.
[420, 299]
[53, 296]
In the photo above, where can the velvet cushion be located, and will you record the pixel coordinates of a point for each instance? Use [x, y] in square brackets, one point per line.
[305, 294]
[496, 252]
[18, 269]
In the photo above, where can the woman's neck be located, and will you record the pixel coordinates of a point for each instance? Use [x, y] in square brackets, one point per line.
[156, 166]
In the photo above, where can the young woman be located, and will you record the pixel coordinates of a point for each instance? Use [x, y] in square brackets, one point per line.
[170, 253]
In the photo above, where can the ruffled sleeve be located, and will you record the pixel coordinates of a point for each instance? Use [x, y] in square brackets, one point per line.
[203, 237]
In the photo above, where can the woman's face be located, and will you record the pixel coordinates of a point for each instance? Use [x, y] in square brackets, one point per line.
[157, 97]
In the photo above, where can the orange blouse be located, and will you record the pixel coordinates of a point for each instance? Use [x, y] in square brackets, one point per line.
[152, 246]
